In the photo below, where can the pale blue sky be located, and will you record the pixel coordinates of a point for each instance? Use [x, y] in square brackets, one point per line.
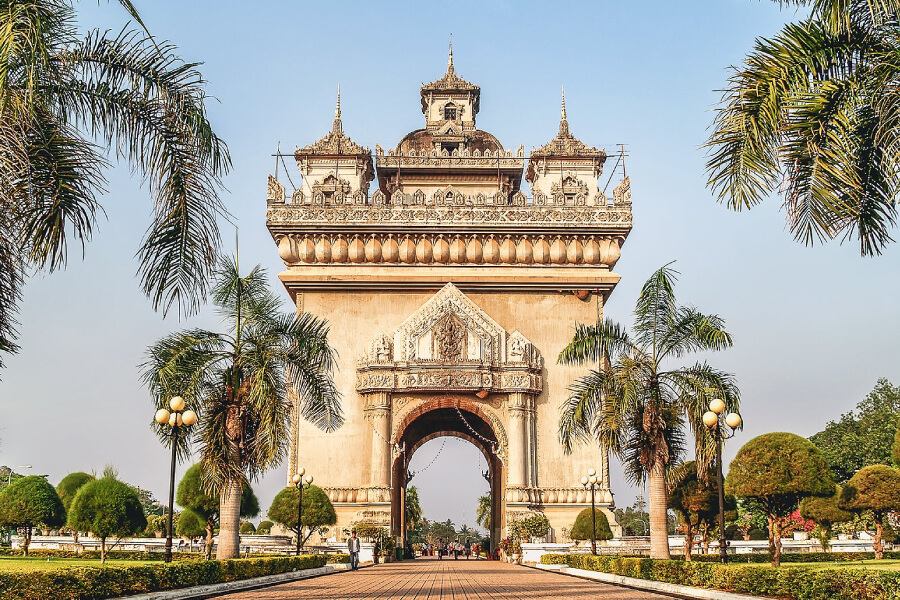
[814, 327]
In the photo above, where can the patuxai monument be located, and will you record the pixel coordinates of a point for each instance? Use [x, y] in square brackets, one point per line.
[450, 292]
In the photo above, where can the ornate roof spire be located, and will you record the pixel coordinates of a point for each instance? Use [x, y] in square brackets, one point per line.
[337, 126]
[562, 113]
[450, 70]
[563, 123]
[337, 109]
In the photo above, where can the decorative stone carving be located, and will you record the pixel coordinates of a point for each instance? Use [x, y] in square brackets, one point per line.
[275, 191]
[622, 192]
[450, 339]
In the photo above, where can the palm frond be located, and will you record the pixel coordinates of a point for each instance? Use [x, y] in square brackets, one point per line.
[692, 331]
[655, 308]
[593, 343]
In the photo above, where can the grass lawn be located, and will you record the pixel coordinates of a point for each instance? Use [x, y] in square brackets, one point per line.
[20, 563]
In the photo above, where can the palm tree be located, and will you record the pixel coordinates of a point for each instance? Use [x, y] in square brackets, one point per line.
[244, 384]
[483, 512]
[413, 508]
[814, 113]
[66, 103]
[637, 403]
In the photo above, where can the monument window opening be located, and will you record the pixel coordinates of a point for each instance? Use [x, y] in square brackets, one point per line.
[450, 113]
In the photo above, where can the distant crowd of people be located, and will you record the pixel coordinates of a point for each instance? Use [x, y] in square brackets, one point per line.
[456, 549]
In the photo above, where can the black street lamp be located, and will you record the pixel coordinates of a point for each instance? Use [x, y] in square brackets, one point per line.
[592, 483]
[298, 481]
[713, 419]
[175, 419]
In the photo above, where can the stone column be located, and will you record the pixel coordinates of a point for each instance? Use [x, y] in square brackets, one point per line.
[517, 474]
[378, 409]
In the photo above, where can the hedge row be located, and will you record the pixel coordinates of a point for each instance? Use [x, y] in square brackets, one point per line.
[784, 582]
[97, 583]
[337, 559]
[796, 557]
[95, 554]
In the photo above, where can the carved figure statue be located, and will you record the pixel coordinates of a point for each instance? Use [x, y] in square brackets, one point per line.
[275, 191]
[517, 350]
[451, 339]
[382, 350]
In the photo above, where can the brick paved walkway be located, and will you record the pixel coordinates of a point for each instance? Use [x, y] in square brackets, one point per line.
[447, 579]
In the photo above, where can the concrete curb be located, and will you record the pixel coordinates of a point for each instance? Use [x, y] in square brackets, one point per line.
[200, 592]
[672, 589]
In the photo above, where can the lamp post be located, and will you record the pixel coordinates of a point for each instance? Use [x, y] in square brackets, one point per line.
[176, 419]
[590, 482]
[9, 477]
[300, 483]
[716, 423]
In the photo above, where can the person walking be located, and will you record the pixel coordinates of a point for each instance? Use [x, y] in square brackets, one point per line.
[468, 548]
[353, 548]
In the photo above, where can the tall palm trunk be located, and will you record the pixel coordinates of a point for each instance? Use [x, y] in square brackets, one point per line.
[659, 523]
[688, 539]
[229, 521]
[230, 498]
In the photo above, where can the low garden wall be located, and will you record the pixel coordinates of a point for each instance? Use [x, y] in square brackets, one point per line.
[99, 583]
[795, 583]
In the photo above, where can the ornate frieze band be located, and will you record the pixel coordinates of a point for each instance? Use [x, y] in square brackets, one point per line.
[389, 248]
[474, 378]
[544, 496]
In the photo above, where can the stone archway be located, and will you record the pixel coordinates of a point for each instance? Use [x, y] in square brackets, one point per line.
[454, 416]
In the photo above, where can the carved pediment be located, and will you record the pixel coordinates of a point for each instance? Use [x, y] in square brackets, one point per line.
[450, 325]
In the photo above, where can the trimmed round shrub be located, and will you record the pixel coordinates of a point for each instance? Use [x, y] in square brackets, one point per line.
[582, 528]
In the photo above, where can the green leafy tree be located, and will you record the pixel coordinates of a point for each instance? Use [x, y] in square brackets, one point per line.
[413, 507]
[107, 508]
[70, 100]
[30, 502]
[877, 489]
[193, 495]
[241, 382]
[825, 511]
[441, 532]
[862, 437]
[68, 488]
[483, 512]
[149, 503]
[778, 470]
[583, 526]
[634, 519]
[812, 115]
[264, 527]
[638, 402]
[157, 525]
[695, 501]
[895, 453]
[318, 512]
[190, 524]
[248, 528]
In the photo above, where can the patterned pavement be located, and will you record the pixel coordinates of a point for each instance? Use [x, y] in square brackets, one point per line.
[445, 579]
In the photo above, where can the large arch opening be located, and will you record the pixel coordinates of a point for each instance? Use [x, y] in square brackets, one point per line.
[454, 417]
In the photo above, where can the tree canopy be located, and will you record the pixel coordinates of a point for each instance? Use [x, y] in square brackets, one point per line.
[107, 508]
[877, 489]
[864, 436]
[696, 501]
[31, 502]
[777, 470]
[812, 114]
[190, 524]
[317, 510]
[69, 486]
[72, 99]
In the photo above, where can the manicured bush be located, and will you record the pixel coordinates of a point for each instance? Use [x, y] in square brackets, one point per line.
[337, 559]
[782, 582]
[108, 508]
[583, 526]
[800, 557]
[30, 502]
[95, 583]
[778, 470]
[875, 488]
[264, 527]
[318, 511]
[247, 528]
